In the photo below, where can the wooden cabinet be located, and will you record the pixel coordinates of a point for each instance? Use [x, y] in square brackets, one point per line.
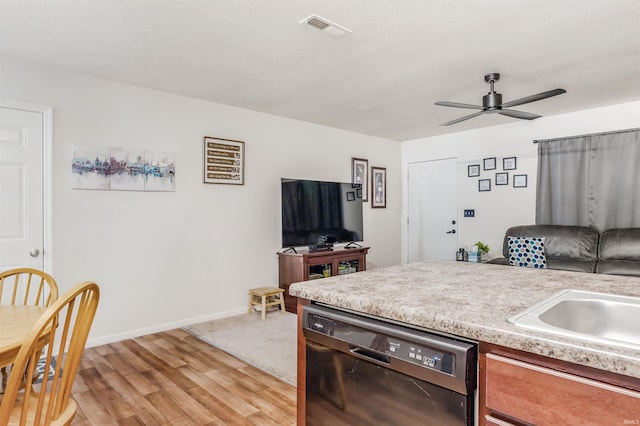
[517, 391]
[304, 266]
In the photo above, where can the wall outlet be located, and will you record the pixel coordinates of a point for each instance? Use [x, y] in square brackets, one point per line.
[469, 213]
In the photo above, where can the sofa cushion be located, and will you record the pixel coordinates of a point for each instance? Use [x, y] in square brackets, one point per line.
[619, 252]
[527, 252]
[620, 244]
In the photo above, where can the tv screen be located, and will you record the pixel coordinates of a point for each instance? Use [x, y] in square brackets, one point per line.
[317, 212]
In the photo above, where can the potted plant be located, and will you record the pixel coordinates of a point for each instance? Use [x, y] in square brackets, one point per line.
[483, 249]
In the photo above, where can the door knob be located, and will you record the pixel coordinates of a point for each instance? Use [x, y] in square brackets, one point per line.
[34, 252]
[453, 231]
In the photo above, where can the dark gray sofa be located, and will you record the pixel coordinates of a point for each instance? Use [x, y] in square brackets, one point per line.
[582, 249]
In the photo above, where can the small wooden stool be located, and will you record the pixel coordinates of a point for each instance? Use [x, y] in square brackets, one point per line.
[266, 297]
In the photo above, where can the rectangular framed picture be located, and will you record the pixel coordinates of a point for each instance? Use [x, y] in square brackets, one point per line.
[359, 175]
[519, 181]
[223, 161]
[502, 178]
[509, 163]
[473, 170]
[484, 185]
[378, 187]
[489, 163]
[351, 196]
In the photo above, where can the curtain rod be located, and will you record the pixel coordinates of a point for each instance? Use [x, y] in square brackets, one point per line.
[589, 134]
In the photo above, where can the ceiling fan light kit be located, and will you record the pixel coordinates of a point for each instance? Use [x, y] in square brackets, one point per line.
[492, 103]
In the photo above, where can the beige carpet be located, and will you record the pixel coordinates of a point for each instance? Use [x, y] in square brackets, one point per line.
[269, 345]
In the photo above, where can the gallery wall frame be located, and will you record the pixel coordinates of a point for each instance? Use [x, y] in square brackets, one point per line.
[484, 185]
[489, 163]
[502, 178]
[473, 170]
[223, 161]
[509, 163]
[360, 175]
[519, 181]
[378, 187]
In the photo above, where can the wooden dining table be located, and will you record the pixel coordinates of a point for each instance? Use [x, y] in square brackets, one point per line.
[15, 323]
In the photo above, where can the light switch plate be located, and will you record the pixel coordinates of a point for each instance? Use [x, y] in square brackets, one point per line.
[469, 213]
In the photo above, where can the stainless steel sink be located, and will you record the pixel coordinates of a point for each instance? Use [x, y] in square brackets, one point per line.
[597, 317]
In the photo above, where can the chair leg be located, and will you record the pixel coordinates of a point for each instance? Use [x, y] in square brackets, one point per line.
[281, 295]
[250, 303]
[264, 307]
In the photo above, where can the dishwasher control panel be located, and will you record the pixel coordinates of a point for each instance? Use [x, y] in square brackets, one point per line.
[385, 343]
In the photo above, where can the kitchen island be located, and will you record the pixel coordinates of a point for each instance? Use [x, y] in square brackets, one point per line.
[474, 301]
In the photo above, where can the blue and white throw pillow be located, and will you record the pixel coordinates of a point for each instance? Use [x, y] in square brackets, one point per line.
[527, 252]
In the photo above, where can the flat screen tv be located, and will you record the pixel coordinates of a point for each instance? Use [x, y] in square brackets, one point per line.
[319, 214]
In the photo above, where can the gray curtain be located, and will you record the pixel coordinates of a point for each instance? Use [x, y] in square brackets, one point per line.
[591, 180]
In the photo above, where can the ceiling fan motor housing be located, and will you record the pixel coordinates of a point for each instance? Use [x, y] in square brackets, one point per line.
[492, 101]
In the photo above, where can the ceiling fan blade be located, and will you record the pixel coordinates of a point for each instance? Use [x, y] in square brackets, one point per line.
[519, 114]
[466, 117]
[534, 98]
[458, 105]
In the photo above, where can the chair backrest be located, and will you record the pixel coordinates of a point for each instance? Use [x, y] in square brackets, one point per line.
[26, 286]
[62, 331]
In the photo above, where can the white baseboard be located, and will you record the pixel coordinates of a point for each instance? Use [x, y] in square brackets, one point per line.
[104, 340]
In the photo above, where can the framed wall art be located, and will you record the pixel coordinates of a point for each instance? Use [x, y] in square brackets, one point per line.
[223, 161]
[484, 185]
[489, 163]
[473, 170]
[502, 178]
[378, 187]
[519, 181]
[359, 175]
[509, 163]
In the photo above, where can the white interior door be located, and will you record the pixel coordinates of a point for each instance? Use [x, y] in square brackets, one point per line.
[21, 189]
[433, 205]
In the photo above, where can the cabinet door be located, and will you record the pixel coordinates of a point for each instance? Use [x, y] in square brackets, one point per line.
[322, 269]
[349, 266]
[541, 396]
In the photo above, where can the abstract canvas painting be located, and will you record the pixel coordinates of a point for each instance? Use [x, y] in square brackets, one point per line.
[127, 169]
[90, 167]
[122, 169]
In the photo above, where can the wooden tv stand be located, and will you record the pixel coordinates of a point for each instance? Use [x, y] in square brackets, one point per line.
[306, 265]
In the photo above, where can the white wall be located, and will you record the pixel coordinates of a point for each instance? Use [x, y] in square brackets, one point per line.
[505, 206]
[168, 259]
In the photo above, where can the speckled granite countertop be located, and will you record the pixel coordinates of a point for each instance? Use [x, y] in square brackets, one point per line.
[474, 301]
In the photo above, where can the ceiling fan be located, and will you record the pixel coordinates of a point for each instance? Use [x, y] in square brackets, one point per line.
[492, 103]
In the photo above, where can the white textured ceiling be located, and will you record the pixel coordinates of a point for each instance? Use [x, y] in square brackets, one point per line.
[382, 79]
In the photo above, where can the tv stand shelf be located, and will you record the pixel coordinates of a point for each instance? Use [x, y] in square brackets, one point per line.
[306, 265]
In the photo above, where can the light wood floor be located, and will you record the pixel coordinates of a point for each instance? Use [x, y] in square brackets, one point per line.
[174, 378]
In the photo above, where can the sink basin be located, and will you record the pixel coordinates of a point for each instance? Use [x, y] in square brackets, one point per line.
[597, 317]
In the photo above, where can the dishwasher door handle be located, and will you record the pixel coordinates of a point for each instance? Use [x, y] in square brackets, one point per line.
[365, 353]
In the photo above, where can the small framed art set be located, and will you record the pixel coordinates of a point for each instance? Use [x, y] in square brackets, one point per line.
[500, 178]
[362, 182]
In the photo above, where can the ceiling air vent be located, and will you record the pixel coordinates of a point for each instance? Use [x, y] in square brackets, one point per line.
[325, 25]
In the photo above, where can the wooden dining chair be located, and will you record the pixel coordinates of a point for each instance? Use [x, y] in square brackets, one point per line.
[29, 287]
[26, 286]
[63, 329]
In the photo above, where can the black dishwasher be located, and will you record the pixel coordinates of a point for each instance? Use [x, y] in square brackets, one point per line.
[366, 371]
